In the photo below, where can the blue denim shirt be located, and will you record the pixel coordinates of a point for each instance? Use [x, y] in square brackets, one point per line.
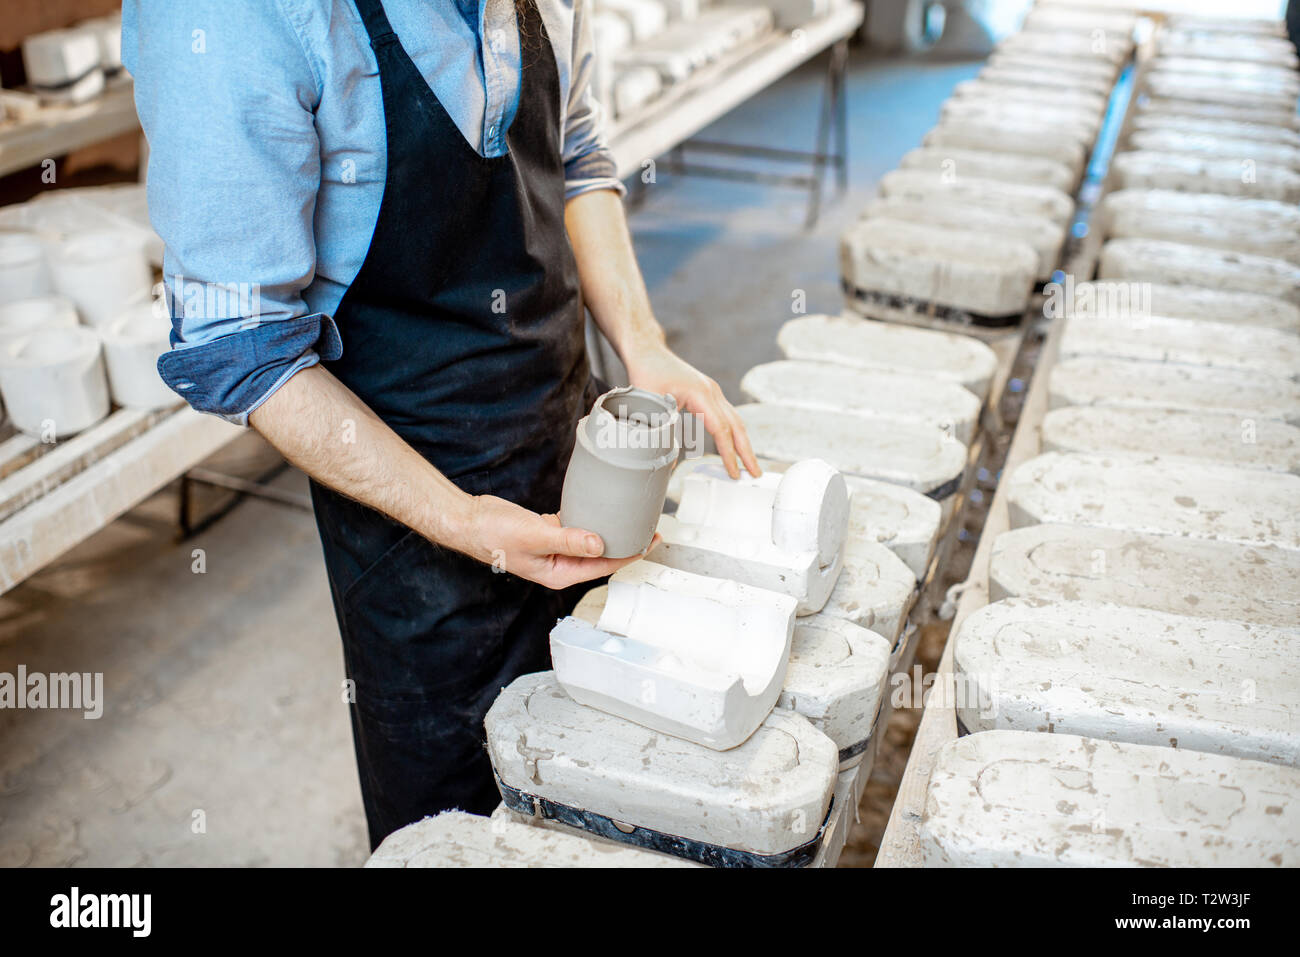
[267, 160]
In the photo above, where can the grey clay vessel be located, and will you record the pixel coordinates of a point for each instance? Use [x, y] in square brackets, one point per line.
[618, 474]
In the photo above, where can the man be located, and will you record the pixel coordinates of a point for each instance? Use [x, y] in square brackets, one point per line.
[418, 194]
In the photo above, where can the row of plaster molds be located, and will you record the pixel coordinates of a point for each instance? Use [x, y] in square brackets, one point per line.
[1235, 112]
[102, 272]
[784, 532]
[978, 272]
[1025, 76]
[1077, 122]
[1045, 17]
[925, 459]
[1208, 88]
[1193, 173]
[1230, 129]
[824, 386]
[458, 839]
[904, 521]
[132, 344]
[885, 347]
[1193, 342]
[23, 273]
[556, 758]
[1161, 261]
[63, 66]
[1220, 147]
[1194, 437]
[1185, 23]
[1229, 71]
[1260, 227]
[1016, 198]
[988, 164]
[835, 677]
[694, 657]
[623, 455]
[53, 381]
[1242, 49]
[1182, 576]
[1122, 299]
[982, 87]
[1020, 799]
[1160, 385]
[1089, 69]
[1145, 494]
[1045, 236]
[24, 316]
[1112, 48]
[1064, 142]
[1134, 675]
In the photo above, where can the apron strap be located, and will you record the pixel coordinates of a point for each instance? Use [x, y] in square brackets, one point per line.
[376, 21]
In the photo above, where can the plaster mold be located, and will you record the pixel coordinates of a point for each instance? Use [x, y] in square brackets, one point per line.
[102, 273]
[1183, 576]
[63, 65]
[1086, 19]
[1045, 236]
[132, 344]
[1190, 23]
[1256, 151]
[1146, 494]
[1196, 265]
[1260, 227]
[875, 590]
[1194, 342]
[1237, 113]
[823, 386]
[981, 272]
[1018, 799]
[1026, 76]
[107, 32]
[1216, 46]
[923, 459]
[1228, 72]
[633, 88]
[52, 381]
[1090, 68]
[781, 531]
[457, 839]
[690, 656]
[1066, 43]
[1063, 142]
[1159, 385]
[1214, 89]
[904, 521]
[30, 315]
[1076, 122]
[986, 164]
[835, 678]
[1134, 675]
[1192, 173]
[645, 18]
[1015, 198]
[1200, 438]
[1046, 97]
[889, 348]
[618, 472]
[1118, 299]
[767, 797]
[23, 273]
[1202, 126]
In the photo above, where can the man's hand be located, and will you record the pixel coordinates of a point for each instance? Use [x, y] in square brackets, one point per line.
[536, 547]
[659, 370]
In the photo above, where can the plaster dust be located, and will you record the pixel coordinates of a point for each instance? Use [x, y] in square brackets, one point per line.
[189, 669]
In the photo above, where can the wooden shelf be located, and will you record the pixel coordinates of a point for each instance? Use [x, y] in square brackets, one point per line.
[57, 130]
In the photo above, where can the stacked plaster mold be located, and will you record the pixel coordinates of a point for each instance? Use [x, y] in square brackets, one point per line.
[1153, 557]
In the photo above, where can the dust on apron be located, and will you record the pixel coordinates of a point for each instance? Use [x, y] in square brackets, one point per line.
[462, 331]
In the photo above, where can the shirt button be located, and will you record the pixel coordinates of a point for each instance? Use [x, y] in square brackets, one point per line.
[492, 131]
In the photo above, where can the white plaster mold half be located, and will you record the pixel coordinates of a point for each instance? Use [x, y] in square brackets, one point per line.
[768, 796]
[784, 532]
[23, 273]
[132, 344]
[1021, 799]
[1117, 299]
[689, 656]
[1006, 167]
[53, 382]
[1158, 260]
[102, 272]
[1183, 576]
[622, 457]
[1131, 674]
[25, 316]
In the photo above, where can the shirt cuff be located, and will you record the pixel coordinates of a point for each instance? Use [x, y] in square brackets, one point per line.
[592, 170]
[231, 376]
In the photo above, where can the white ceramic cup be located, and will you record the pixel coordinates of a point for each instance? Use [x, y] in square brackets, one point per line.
[132, 344]
[101, 272]
[53, 381]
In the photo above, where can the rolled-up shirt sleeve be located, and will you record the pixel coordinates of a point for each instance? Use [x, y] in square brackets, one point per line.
[588, 162]
[226, 94]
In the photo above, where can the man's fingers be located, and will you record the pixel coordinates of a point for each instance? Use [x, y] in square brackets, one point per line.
[719, 426]
[573, 542]
[569, 571]
[740, 435]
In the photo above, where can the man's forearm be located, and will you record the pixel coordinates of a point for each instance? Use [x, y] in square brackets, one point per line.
[320, 426]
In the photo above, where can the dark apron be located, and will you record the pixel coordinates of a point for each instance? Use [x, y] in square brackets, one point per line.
[463, 331]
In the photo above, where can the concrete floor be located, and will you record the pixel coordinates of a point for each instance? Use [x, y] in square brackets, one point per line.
[224, 739]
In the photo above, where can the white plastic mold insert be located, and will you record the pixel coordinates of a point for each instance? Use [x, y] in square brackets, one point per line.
[1131, 674]
[1183, 576]
[762, 802]
[1019, 799]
